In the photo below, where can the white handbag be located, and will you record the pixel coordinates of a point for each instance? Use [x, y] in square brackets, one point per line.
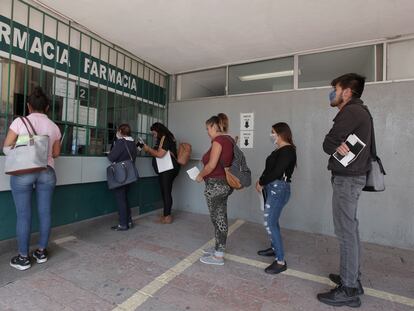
[28, 155]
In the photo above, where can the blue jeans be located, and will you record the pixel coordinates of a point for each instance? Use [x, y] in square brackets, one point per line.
[22, 188]
[277, 194]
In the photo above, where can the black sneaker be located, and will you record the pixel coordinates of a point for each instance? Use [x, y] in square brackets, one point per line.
[276, 268]
[119, 228]
[336, 278]
[40, 256]
[20, 263]
[341, 296]
[266, 252]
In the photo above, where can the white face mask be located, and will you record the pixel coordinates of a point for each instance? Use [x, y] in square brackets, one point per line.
[273, 137]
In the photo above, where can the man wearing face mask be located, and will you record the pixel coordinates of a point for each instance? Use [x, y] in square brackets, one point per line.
[347, 183]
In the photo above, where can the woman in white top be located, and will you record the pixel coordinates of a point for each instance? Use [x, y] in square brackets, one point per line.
[43, 182]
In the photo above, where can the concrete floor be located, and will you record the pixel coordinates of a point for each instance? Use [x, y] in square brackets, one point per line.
[155, 267]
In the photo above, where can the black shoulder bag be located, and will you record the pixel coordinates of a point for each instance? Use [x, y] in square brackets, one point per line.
[121, 173]
[375, 176]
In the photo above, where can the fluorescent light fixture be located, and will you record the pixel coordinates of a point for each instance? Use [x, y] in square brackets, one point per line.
[269, 75]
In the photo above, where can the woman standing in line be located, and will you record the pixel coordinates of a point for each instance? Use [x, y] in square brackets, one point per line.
[43, 181]
[217, 191]
[274, 183]
[123, 149]
[165, 141]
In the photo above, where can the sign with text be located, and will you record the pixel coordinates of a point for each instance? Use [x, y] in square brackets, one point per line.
[246, 139]
[247, 121]
[24, 42]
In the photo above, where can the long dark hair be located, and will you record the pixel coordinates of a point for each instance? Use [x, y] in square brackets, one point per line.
[221, 121]
[283, 130]
[162, 130]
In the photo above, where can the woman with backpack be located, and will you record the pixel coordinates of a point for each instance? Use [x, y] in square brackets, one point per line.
[164, 142]
[274, 183]
[217, 191]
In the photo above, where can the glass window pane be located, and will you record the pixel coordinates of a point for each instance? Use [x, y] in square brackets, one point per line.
[202, 84]
[321, 68]
[269, 75]
[400, 60]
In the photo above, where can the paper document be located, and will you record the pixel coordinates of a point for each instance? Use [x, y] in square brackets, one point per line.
[193, 172]
[261, 200]
[165, 163]
[355, 146]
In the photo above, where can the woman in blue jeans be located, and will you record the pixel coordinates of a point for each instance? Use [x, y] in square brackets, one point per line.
[274, 183]
[42, 182]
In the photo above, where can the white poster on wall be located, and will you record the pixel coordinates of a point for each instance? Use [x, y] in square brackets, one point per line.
[61, 85]
[246, 139]
[247, 121]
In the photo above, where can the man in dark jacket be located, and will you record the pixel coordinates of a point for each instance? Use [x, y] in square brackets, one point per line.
[347, 183]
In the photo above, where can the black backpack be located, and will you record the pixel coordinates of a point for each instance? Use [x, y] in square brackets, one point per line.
[238, 174]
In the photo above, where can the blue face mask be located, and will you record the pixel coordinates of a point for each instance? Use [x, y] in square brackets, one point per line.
[332, 96]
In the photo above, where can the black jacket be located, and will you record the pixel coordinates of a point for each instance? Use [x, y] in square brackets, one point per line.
[279, 162]
[120, 153]
[351, 119]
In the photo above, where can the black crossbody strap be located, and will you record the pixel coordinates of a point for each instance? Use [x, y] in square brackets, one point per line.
[130, 156]
[373, 145]
[24, 120]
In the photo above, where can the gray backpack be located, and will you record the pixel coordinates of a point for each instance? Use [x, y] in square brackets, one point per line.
[238, 174]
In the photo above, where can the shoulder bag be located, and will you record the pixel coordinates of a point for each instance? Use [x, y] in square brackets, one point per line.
[121, 173]
[375, 176]
[29, 154]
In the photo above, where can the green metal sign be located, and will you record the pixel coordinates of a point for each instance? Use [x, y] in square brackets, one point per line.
[24, 42]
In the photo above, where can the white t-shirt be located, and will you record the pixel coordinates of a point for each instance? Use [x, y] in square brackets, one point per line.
[43, 126]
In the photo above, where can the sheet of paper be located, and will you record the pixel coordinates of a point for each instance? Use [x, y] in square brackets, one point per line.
[193, 172]
[164, 163]
[261, 200]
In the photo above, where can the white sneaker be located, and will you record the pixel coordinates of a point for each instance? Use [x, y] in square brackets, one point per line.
[209, 251]
[212, 260]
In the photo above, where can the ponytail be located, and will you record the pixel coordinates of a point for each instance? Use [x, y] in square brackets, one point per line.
[221, 121]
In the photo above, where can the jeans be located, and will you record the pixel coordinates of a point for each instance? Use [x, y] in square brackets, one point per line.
[166, 180]
[346, 192]
[277, 194]
[217, 192]
[124, 210]
[22, 186]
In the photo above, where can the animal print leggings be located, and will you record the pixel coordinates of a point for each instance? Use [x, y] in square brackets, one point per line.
[217, 192]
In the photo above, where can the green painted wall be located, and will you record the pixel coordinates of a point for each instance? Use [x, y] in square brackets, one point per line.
[72, 203]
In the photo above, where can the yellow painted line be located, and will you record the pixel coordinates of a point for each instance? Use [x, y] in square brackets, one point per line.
[319, 279]
[149, 290]
[65, 239]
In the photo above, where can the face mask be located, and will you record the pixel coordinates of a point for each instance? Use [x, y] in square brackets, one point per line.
[273, 138]
[118, 135]
[332, 96]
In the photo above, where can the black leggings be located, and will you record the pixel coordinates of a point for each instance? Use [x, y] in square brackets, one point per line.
[166, 182]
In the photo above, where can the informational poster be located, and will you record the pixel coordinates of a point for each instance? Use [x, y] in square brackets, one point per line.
[61, 85]
[246, 139]
[81, 135]
[71, 115]
[247, 121]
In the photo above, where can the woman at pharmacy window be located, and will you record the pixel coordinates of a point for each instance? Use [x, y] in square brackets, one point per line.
[217, 190]
[164, 142]
[41, 182]
[123, 148]
[274, 184]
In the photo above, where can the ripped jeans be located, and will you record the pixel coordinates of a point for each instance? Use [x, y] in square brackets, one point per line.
[276, 195]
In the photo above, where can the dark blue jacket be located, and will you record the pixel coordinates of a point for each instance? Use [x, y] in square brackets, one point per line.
[119, 151]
